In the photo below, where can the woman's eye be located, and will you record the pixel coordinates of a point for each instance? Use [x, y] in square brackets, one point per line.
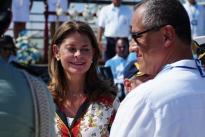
[82, 50]
[71, 49]
[85, 50]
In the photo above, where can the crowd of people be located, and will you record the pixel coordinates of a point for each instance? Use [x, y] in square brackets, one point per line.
[162, 90]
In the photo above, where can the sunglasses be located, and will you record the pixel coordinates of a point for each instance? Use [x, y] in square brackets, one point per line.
[136, 35]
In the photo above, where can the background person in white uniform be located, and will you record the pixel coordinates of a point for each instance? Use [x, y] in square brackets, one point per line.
[196, 14]
[53, 6]
[21, 10]
[114, 21]
[173, 103]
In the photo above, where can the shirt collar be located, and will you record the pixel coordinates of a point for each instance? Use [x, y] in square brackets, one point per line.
[185, 63]
[117, 56]
[112, 6]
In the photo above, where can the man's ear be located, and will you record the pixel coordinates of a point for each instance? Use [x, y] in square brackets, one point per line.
[169, 35]
[127, 84]
[55, 50]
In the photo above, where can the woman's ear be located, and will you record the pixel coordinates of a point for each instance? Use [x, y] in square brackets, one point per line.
[55, 50]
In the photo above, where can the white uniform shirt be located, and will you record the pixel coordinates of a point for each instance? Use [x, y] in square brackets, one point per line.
[197, 18]
[52, 6]
[115, 20]
[170, 105]
[20, 10]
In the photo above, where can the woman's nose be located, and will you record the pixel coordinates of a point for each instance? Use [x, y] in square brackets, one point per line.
[77, 53]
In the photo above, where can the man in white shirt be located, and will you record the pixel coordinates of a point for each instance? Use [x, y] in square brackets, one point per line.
[173, 103]
[21, 11]
[57, 6]
[196, 14]
[114, 21]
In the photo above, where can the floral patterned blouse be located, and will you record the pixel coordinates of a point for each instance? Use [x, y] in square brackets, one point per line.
[93, 119]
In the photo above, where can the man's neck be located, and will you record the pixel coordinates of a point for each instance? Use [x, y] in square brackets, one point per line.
[117, 5]
[192, 3]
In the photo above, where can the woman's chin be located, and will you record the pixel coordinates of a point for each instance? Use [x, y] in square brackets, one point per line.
[77, 70]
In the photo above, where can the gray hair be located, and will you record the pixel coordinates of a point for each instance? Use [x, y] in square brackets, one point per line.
[167, 12]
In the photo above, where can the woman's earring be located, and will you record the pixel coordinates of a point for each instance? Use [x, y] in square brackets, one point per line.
[57, 57]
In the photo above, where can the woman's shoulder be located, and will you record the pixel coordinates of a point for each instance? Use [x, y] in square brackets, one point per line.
[106, 99]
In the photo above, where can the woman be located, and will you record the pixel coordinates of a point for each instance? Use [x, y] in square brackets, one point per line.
[84, 102]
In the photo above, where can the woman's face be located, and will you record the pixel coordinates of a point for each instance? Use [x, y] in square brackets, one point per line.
[75, 54]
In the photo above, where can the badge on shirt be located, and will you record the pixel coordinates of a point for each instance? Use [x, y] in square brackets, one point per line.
[194, 22]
